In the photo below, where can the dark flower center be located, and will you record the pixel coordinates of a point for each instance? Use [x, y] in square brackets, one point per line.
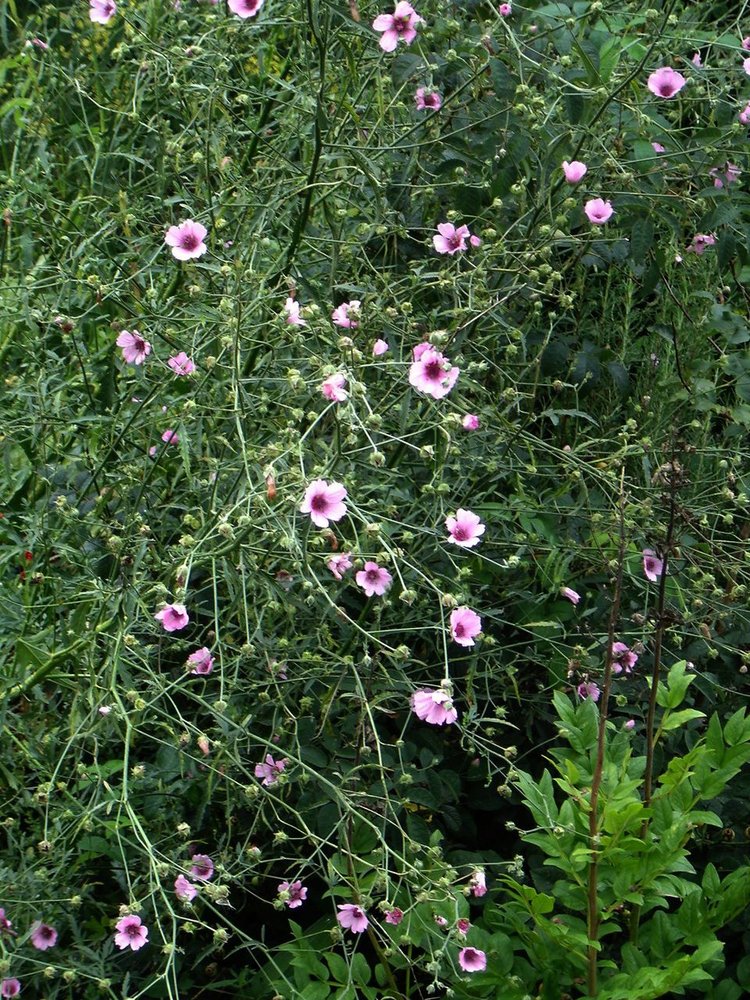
[319, 503]
[133, 931]
[372, 575]
[190, 241]
[433, 370]
[460, 532]
[400, 24]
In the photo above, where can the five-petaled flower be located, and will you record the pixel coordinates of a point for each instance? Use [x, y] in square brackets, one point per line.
[653, 566]
[202, 867]
[574, 171]
[135, 348]
[374, 579]
[10, 988]
[450, 240]
[245, 8]
[588, 689]
[324, 502]
[400, 25]
[181, 364]
[465, 529]
[347, 314]
[43, 936]
[270, 769]
[352, 917]
[435, 707]
[623, 658]
[173, 617]
[201, 661]
[131, 933]
[186, 240]
[598, 211]
[428, 100]
[431, 372]
[333, 388]
[294, 894]
[466, 625]
[472, 960]
[666, 82]
[102, 11]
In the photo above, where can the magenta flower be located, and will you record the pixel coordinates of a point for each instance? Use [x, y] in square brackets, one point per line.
[245, 8]
[184, 889]
[374, 579]
[435, 707]
[324, 502]
[333, 388]
[744, 115]
[350, 916]
[463, 926]
[701, 242]
[135, 348]
[378, 348]
[666, 82]
[653, 566]
[658, 148]
[745, 43]
[131, 933]
[587, 689]
[428, 100]
[10, 988]
[449, 239]
[173, 617]
[296, 894]
[186, 240]
[572, 595]
[505, 10]
[598, 211]
[394, 916]
[727, 174]
[43, 936]
[470, 422]
[102, 11]
[292, 310]
[478, 883]
[466, 625]
[623, 658]
[202, 867]
[270, 770]
[341, 314]
[5, 924]
[181, 364]
[400, 25]
[472, 960]
[574, 171]
[465, 528]
[339, 564]
[201, 661]
[169, 436]
[431, 372]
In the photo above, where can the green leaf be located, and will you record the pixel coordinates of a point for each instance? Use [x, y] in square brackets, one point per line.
[673, 720]
[641, 239]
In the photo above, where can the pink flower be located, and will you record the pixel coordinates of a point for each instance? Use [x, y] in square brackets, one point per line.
[102, 11]
[745, 43]
[186, 240]
[505, 10]
[204, 745]
[630, 724]
[201, 661]
[135, 348]
[465, 626]
[470, 422]
[401, 24]
[666, 82]
[744, 115]
[173, 617]
[623, 658]
[572, 595]
[184, 889]
[658, 148]
[588, 689]
[428, 100]
[245, 8]
[727, 174]
[653, 566]
[701, 242]
[465, 528]
[10, 988]
[5, 924]
[181, 364]
[598, 211]
[431, 372]
[475, 241]
[463, 926]
[43, 936]
[202, 867]
[435, 707]
[341, 317]
[394, 916]
[449, 239]
[296, 894]
[169, 436]
[440, 920]
[292, 308]
[324, 502]
[373, 579]
[472, 960]
[351, 916]
[333, 388]
[378, 348]
[574, 171]
[131, 933]
[270, 770]
[478, 883]
[696, 60]
[339, 564]
[39, 44]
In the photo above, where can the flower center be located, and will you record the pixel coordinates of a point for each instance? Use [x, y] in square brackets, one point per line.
[133, 931]
[433, 370]
[319, 503]
[460, 533]
[372, 575]
[400, 24]
[190, 241]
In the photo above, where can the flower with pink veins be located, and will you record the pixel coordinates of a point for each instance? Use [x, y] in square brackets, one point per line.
[428, 100]
[598, 211]
[202, 867]
[472, 960]
[449, 239]
[270, 769]
[333, 388]
[43, 936]
[588, 689]
[292, 311]
[701, 242]
[466, 625]
[623, 658]
[324, 502]
[434, 706]
[10, 988]
[401, 25]
[352, 917]
[135, 348]
[131, 933]
[181, 364]
[431, 372]
[666, 82]
[201, 661]
[394, 916]
[653, 566]
[463, 926]
[339, 564]
[184, 889]
[186, 240]
[470, 422]
[379, 348]
[465, 529]
[173, 617]
[373, 579]
[245, 8]
[102, 11]
[347, 314]
[574, 171]
[478, 883]
[295, 894]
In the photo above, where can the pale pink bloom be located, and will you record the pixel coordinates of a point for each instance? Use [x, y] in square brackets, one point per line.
[466, 625]
[572, 595]
[449, 239]
[588, 689]
[105, 709]
[394, 916]
[378, 348]
[505, 10]
[270, 769]
[202, 867]
[173, 617]
[666, 82]
[697, 61]
[339, 564]
[465, 528]
[43, 936]
[630, 724]
[39, 44]
[440, 921]
[574, 171]
[181, 364]
[374, 579]
[623, 658]
[658, 148]
[341, 314]
[478, 883]
[245, 8]
[428, 100]
[170, 437]
[324, 502]
[431, 372]
[470, 422]
[184, 889]
[653, 566]
[201, 661]
[745, 43]
[131, 933]
[297, 894]
[292, 308]
[744, 115]
[472, 960]
[598, 211]
[475, 241]
[204, 745]
[463, 926]
[333, 388]
[186, 240]
[102, 11]
[10, 988]
[135, 348]
[701, 242]
[401, 24]
[351, 916]
[435, 707]
[727, 174]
